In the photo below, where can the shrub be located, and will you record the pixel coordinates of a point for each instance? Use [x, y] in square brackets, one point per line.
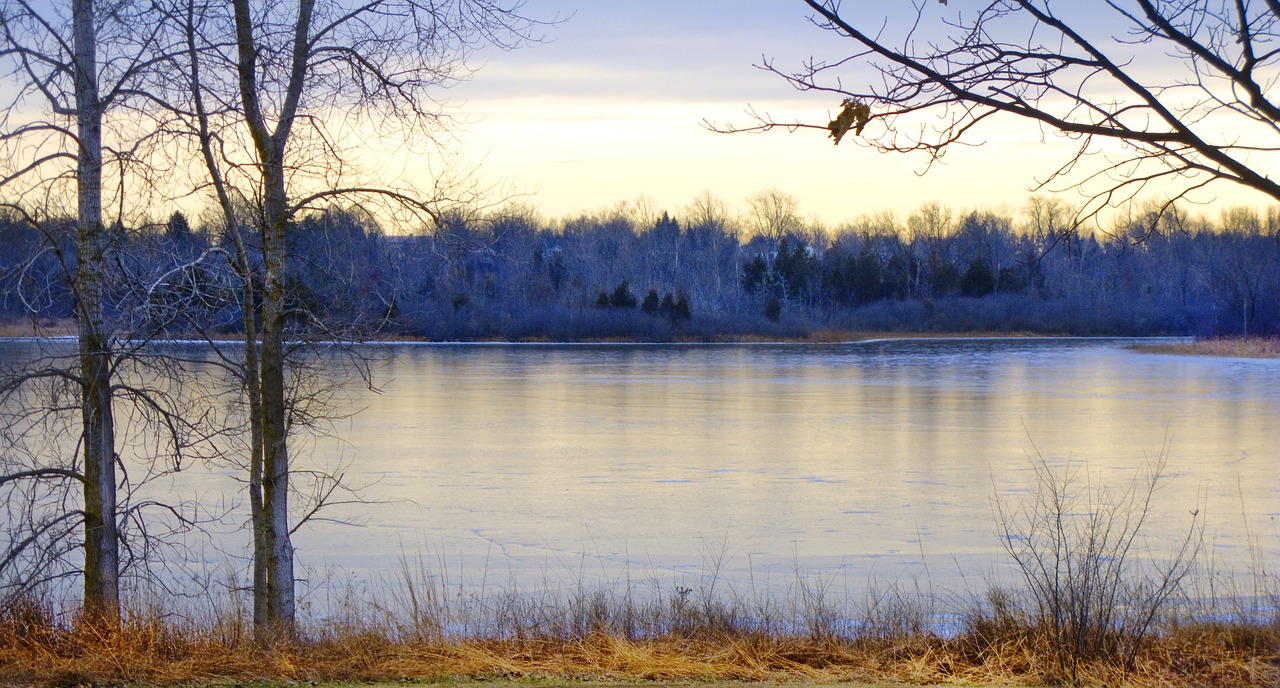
[978, 280]
[1095, 593]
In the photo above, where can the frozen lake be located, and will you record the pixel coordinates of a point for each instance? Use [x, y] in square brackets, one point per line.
[536, 466]
[869, 460]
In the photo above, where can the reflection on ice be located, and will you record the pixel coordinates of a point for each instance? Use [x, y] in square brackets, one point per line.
[856, 460]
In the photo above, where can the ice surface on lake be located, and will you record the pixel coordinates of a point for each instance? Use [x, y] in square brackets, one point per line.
[554, 466]
[665, 464]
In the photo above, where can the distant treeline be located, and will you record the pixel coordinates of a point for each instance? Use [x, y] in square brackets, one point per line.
[621, 275]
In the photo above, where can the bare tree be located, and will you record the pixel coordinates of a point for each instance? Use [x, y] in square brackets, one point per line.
[1240, 269]
[260, 88]
[773, 214]
[927, 228]
[66, 74]
[1171, 96]
[706, 210]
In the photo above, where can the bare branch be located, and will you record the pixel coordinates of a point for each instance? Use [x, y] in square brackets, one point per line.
[1019, 59]
[42, 473]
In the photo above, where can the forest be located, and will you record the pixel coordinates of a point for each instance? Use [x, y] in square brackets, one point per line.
[699, 274]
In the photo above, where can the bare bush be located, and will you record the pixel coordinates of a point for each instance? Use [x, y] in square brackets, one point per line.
[1096, 587]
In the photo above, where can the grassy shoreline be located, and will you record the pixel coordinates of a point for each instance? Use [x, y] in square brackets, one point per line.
[570, 683]
[157, 653]
[1219, 347]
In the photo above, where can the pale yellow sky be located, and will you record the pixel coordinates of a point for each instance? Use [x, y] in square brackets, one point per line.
[612, 108]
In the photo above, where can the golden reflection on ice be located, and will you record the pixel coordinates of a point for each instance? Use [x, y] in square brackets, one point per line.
[866, 457]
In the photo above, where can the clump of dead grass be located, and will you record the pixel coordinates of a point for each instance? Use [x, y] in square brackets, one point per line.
[1226, 347]
[43, 327]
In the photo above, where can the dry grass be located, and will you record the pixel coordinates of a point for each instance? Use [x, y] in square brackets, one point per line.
[35, 650]
[843, 336]
[40, 328]
[1227, 347]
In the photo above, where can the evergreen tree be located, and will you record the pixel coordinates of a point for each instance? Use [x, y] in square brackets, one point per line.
[978, 280]
[867, 280]
[650, 305]
[622, 296]
[773, 309]
[754, 274]
[682, 309]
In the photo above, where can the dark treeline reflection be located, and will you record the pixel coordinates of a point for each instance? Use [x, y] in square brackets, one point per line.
[622, 274]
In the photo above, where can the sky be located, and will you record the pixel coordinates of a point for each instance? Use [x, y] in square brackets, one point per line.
[614, 105]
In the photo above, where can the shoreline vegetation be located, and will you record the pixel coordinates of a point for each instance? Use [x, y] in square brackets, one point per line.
[1223, 347]
[601, 637]
[25, 330]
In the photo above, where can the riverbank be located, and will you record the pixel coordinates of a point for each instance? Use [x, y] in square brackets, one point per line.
[15, 329]
[1222, 347]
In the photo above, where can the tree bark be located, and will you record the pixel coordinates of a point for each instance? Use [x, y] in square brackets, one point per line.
[278, 545]
[102, 557]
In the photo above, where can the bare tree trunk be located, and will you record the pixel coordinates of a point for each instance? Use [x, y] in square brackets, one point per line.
[101, 565]
[253, 387]
[271, 523]
[275, 458]
[252, 370]
[392, 48]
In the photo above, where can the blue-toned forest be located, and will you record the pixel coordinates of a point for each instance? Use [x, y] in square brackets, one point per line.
[617, 274]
